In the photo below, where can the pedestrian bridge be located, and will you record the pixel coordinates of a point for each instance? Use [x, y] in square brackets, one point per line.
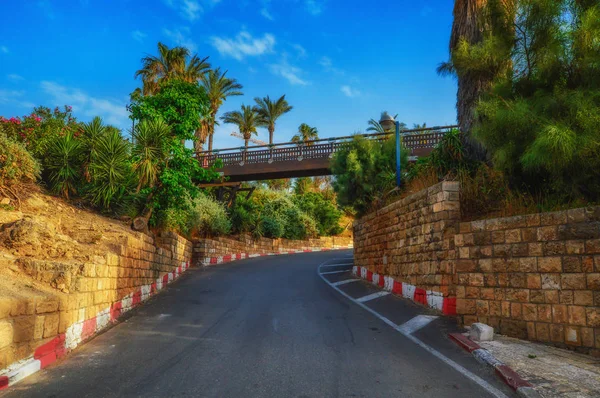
[305, 159]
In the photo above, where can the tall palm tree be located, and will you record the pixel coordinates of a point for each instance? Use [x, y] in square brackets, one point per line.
[218, 88]
[306, 135]
[270, 111]
[247, 121]
[468, 27]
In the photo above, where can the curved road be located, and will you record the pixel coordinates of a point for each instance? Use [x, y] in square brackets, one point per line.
[268, 327]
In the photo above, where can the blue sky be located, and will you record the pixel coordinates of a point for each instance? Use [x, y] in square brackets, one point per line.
[339, 62]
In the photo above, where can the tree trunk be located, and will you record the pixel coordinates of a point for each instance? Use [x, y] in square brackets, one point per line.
[271, 133]
[211, 129]
[467, 26]
[246, 142]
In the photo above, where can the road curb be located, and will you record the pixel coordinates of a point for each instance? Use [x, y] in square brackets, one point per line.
[227, 258]
[85, 330]
[509, 376]
[428, 298]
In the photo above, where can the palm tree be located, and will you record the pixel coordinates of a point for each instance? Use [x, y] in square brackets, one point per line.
[170, 63]
[218, 87]
[269, 111]
[306, 135]
[467, 27]
[247, 121]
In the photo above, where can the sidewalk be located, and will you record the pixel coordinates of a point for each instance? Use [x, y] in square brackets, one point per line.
[553, 372]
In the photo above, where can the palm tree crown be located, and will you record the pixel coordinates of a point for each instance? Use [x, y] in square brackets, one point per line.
[218, 87]
[170, 63]
[306, 135]
[269, 111]
[247, 121]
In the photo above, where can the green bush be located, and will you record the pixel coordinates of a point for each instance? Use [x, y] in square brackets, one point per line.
[273, 226]
[364, 171]
[17, 165]
[324, 211]
[63, 165]
[208, 217]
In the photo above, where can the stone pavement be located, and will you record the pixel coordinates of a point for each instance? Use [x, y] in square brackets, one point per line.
[554, 372]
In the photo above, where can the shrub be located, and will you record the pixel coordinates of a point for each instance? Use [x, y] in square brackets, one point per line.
[364, 171]
[208, 217]
[63, 164]
[325, 213]
[111, 176]
[273, 226]
[17, 165]
[299, 225]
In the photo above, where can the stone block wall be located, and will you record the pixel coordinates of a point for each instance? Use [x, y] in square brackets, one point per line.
[207, 249]
[535, 277]
[412, 240]
[75, 300]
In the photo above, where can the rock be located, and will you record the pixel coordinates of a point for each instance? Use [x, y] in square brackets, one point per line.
[140, 224]
[5, 201]
[481, 332]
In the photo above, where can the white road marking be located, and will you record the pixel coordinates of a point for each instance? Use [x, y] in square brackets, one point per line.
[418, 322]
[335, 272]
[476, 379]
[372, 296]
[344, 282]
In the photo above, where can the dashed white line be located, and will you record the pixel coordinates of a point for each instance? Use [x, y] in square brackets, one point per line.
[372, 296]
[473, 377]
[418, 322]
[344, 282]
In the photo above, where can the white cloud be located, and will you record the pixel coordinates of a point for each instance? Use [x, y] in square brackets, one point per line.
[327, 64]
[4, 49]
[111, 111]
[138, 35]
[300, 50]
[315, 7]
[188, 9]
[14, 97]
[14, 77]
[243, 45]
[349, 91]
[181, 38]
[289, 72]
[265, 13]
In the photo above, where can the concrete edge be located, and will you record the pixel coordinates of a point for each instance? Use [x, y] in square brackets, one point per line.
[85, 330]
[509, 376]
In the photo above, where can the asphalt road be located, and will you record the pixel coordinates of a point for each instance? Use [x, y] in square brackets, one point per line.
[267, 327]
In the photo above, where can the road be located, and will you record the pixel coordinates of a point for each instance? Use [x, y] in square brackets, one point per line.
[268, 327]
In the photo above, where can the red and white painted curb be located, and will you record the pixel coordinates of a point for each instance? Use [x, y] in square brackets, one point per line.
[240, 256]
[83, 330]
[429, 298]
[509, 376]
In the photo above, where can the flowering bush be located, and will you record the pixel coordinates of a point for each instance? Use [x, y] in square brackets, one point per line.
[40, 128]
[16, 164]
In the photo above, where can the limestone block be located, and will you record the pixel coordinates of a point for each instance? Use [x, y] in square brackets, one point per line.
[481, 332]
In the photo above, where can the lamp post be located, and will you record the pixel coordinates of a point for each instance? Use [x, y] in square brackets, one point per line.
[388, 122]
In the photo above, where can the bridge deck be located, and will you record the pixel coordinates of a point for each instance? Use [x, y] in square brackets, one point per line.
[290, 160]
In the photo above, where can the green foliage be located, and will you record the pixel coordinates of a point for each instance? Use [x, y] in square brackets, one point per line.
[63, 164]
[149, 151]
[17, 165]
[111, 176]
[540, 121]
[324, 211]
[208, 217]
[38, 130]
[179, 104]
[364, 171]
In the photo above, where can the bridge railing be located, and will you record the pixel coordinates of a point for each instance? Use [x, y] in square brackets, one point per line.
[414, 139]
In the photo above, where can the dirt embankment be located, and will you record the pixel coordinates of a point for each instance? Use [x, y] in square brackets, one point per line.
[46, 242]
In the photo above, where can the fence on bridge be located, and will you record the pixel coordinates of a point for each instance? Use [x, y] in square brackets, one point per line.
[419, 141]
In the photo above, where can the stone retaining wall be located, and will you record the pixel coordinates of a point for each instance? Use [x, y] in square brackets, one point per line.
[206, 249]
[85, 297]
[535, 277]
